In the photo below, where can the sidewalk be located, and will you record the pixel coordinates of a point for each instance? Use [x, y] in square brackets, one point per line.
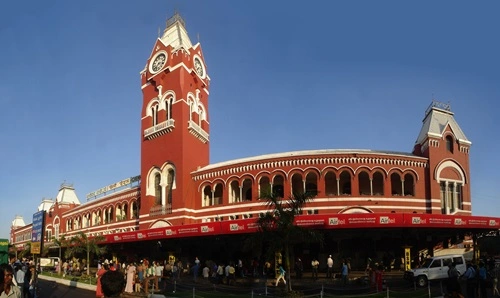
[357, 280]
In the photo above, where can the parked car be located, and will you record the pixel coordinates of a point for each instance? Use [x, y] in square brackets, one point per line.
[434, 269]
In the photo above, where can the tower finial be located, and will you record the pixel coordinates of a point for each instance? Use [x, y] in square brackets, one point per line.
[159, 31]
[198, 36]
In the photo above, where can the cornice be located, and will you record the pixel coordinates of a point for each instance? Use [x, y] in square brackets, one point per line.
[308, 161]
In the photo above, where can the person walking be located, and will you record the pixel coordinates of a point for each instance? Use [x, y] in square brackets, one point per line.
[453, 285]
[130, 273]
[470, 277]
[345, 272]
[299, 268]
[281, 275]
[483, 275]
[495, 274]
[98, 288]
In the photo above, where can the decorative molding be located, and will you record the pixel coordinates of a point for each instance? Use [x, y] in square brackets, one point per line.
[297, 162]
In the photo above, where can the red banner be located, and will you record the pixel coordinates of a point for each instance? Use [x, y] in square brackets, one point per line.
[326, 221]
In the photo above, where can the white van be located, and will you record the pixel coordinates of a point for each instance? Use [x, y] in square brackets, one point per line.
[435, 268]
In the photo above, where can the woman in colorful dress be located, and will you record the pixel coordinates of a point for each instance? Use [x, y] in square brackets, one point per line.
[100, 272]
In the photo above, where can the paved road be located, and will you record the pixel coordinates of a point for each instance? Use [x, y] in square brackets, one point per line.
[51, 289]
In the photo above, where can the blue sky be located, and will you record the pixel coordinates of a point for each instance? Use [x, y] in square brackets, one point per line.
[286, 75]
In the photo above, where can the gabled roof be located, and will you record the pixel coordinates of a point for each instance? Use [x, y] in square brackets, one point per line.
[435, 122]
[67, 195]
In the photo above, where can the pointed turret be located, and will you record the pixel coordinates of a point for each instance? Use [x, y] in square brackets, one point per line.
[443, 142]
[439, 119]
[175, 33]
[67, 195]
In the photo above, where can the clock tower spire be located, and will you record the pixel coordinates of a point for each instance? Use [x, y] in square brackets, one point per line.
[175, 126]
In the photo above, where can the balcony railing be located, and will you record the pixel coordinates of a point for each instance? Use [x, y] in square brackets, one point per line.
[197, 131]
[159, 129]
[160, 210]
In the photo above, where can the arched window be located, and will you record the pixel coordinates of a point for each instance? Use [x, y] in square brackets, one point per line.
[168, 108]
[396, 186]
[170, 185]
[234, 192]
[218, 194]
[449, 144]
[247, 190]
[312, 184]
[378, 184]
[264, 186]
[364, 184]
[135, 210]
[158, 189]
[297, 184]
[207, 197]
[409, 185]
[278, 186]
[345, 183]
[331, 184]
[154, 114]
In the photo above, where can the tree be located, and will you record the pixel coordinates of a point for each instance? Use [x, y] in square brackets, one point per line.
[80, 244]
[60, 243]
[26, 251]
[278, 229]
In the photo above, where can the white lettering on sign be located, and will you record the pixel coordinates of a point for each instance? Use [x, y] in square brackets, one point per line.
[417, 221]
[384, 220]
[334, 221]
[206, 229]
[169, 232]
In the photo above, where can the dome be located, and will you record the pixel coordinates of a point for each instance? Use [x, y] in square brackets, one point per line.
[18, 221]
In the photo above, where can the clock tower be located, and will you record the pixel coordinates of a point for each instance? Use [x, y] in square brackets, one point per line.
[174, 127]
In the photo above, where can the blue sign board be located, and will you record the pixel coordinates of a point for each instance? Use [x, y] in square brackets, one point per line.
[37, 229]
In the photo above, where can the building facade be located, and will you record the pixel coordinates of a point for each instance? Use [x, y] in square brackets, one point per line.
[180, 194]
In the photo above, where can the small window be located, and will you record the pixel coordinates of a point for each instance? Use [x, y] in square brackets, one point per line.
[449, 144]
[458, 260]
[435, 264]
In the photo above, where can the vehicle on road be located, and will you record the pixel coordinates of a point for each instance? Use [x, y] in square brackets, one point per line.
[435, 269]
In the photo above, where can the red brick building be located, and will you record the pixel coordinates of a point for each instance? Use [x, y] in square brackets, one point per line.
[180, 194]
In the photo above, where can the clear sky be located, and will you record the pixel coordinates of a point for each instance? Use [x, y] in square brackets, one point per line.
[286, 75]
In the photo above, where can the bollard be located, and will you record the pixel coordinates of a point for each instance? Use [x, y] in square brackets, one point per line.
[265, 288]
[194, 294]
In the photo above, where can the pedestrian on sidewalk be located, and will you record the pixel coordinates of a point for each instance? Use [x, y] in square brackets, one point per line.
[315, 266]
[281, 275]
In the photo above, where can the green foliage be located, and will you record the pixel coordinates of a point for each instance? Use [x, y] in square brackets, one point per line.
[81, 244]
[277, 228]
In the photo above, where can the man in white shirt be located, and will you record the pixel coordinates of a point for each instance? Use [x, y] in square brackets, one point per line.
[329, 267]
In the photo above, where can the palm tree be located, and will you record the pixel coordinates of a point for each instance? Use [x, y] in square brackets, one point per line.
[278, 229]
[80, 243]
[60, 243]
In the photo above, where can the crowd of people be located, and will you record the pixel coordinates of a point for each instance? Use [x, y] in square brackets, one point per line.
[18, 279]
[478, 277]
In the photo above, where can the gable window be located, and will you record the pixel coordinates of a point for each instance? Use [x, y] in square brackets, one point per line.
[449, 144]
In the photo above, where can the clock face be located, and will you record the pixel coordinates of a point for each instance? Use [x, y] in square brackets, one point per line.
[158, 62]
[198, 67]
